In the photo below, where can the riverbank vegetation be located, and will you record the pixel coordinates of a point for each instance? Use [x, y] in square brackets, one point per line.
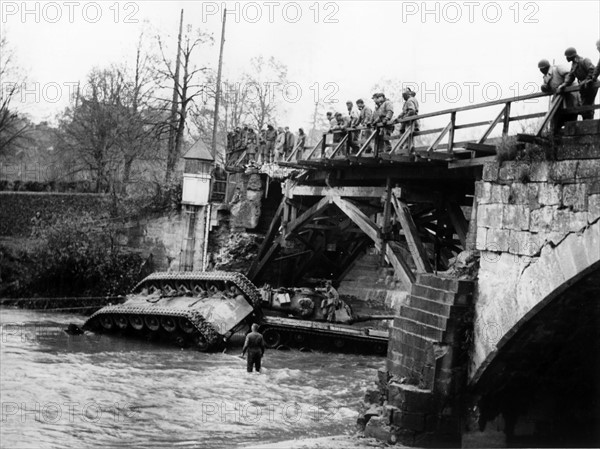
[71, 256]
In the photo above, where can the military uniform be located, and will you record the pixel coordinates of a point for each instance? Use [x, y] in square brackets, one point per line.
[582, 69]
[271, 137]
[552, 80]
[255, 347]
[383, 115]
[410, 108]
[251, 144]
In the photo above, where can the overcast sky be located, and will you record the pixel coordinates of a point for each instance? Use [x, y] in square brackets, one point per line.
[455, 52]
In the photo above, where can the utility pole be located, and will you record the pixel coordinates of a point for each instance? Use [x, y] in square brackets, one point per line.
[314, 122]
[171, 156]
[218, 93]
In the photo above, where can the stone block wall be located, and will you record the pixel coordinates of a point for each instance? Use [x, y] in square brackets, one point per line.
[246, 203]
[375, 286]
[538, 227]
[522, 207]
[162, 236]
[418, 395]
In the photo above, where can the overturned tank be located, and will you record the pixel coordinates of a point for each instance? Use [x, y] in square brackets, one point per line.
[317, 318]
[198, 309]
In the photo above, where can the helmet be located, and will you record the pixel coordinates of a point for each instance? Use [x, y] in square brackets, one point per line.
[543, 63]
[570, 52]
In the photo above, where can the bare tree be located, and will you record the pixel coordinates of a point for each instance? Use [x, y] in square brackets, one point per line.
[139, 128]
[186, 88]
[319, 123]
[91, 130]
[233, 112]
[13, 127]
[263, 88]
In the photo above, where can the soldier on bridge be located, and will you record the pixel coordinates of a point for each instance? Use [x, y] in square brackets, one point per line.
[553, 77]
[382, 118]
[582, 69]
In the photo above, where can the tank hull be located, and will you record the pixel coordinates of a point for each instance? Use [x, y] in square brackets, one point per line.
[200, 309]
[305, 334]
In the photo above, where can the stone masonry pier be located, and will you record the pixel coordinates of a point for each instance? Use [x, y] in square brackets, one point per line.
[512, 358]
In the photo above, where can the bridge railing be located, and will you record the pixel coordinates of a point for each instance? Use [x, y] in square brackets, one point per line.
[381, 142]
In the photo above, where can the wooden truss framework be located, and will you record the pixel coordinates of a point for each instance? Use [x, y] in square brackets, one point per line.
[346, 213]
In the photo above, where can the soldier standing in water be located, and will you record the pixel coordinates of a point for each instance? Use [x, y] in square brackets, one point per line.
[255, 346]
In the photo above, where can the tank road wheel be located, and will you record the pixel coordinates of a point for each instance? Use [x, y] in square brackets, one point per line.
[121, 321]
[106, 322]
[272, 338]
[136, 322]
[186, 325]
[168, 289]
[201, 343]
[183, 289]
[379, 348]
[168, 323]
[299, 338]
[152, 322]
[339, 343]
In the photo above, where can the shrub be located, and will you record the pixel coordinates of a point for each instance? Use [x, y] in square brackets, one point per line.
[507, 149]
[77, 256]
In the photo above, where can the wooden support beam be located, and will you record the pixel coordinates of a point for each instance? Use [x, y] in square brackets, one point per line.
[350, 260]
[293, 153]
[292, 256]
[339, 146]
[451, 133]
[402, 140]
[475, 162]
[359, 218]
[317, 146]
[386, 217]
[481, 148]
[256, 270]
[414, 196]
[492, 126]
[273, 227]
[439, 138]
[506, 124]
[554, 106]
[460, 223]
[366, 144]
[322, 204]
[349, 191]
[293, 210]
[400, 266]
[412, 236]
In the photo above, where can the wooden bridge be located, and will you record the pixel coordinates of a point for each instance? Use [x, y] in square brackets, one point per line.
[412, 203]
[334, 149]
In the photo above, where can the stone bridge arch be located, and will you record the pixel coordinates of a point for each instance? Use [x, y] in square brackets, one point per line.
[511, 290]
[535, 370]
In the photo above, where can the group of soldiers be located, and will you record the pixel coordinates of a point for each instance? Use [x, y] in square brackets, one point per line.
[582, 71]
[381, 117]
[274, 145]
[266, 146]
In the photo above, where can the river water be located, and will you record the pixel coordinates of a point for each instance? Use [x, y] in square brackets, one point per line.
[59, 391]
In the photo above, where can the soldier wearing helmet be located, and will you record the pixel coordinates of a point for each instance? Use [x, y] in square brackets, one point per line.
[554, 76]
[597, 70]
[582, 69]
[409, 108]
[382, 117]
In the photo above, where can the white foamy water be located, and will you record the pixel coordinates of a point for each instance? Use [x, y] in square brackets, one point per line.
[93, 390]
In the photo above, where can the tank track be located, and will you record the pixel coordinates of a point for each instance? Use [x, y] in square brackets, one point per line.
[238, 279]
[289, 330]
[208, 331]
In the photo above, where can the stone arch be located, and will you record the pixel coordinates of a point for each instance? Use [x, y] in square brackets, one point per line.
[512, 290]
